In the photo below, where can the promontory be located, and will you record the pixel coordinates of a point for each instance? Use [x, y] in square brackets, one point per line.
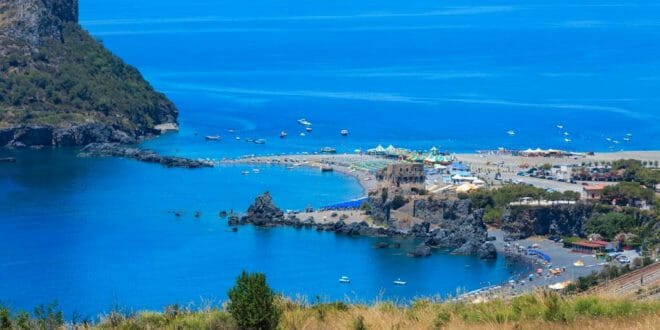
[60, 87]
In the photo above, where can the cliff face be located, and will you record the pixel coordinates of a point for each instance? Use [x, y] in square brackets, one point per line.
[59, 86]
[459, 227]
[561, 220]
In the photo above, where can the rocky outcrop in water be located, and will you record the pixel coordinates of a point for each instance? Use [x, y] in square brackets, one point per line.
[263, 212]
[118, 150]
[558, 220]
[460, 227]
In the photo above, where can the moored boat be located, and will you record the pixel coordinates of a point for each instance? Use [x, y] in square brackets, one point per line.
[400, 282]
[329, 150]
[344, 132]
[283, 134]
[212, 137]
[260, 141]
[344, 279]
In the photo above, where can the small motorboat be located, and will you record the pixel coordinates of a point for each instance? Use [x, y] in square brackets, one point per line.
[567, 133]
[256, 170]
[567, 140]
[560, 126]
[328, 150]
[308, 129]
[283, 134]
[231, 130]
[260, 141]
[400, 282]
[326, 168]
[511, 132]
[344, 279]
[245, 172]
[304, 122]
[238, 138]
[302, 134]
[344, 132]
[212, 137]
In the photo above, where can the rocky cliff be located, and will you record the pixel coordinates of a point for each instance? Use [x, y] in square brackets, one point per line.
[458, 226]
[61, 87]
[560, 220]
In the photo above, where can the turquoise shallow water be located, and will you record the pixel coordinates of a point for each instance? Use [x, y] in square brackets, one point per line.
[457, 75]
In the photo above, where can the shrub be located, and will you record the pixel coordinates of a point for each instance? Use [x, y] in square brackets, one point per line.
[252, 302]
[49, 316]
[5, 319]
[358, 324]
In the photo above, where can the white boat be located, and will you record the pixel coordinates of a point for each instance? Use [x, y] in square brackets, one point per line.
[245, 172]
[304, 122]
[615, 142]
[231, 130]
[567, 140]
[344, 279]
[560, 126]
[256, 170]
[283, 134]
[400, 282]
[238, 138]
[567, 133]
[344, 132]
[260, 141]
[308, 129]
[212, 137]
[511, 132]
[302, 134]
[608, 139]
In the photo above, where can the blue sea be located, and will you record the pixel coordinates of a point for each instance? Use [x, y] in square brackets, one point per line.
[93, 233]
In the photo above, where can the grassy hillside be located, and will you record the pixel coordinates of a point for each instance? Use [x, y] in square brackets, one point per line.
[531, 311]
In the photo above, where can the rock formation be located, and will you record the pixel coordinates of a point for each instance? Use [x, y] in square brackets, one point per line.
[263, 212]
[559, 220]
[460, 227]
[118, 150]
[60, 87]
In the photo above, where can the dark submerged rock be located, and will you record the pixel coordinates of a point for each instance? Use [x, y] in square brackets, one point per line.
[421, 250]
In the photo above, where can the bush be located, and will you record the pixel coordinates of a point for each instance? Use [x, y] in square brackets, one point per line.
[252, 302]
[358, 324]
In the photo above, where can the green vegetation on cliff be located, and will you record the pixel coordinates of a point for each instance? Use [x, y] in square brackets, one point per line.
[54, 73]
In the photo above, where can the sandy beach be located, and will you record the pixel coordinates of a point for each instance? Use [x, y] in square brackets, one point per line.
[358, 166]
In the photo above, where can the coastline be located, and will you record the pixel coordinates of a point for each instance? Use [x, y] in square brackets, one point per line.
[352, 165]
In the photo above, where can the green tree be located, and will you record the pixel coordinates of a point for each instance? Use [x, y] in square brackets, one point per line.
[626, 193]
[610, 224]
[252, 302]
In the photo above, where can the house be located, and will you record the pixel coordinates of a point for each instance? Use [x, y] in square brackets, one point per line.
[592, 192]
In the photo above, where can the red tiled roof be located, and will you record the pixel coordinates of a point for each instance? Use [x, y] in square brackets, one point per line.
[588, 244]
[596, 187]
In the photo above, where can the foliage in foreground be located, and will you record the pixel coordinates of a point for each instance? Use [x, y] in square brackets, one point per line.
[252, 302]
[541, 310]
